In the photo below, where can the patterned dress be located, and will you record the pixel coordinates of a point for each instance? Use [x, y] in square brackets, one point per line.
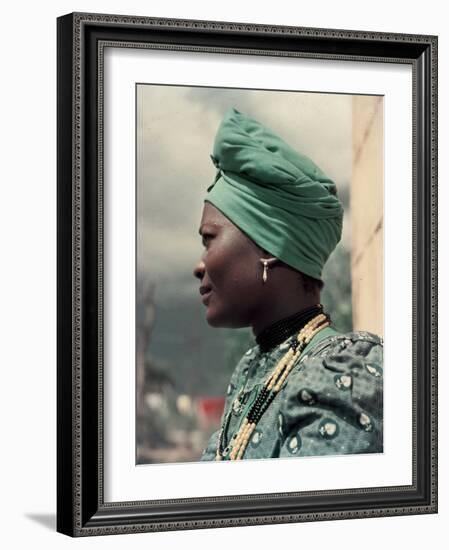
[330, 404]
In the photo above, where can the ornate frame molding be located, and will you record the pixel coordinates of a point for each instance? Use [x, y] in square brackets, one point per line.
[81, 41]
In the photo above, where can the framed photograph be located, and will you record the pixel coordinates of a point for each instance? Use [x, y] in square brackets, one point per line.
[247, 274]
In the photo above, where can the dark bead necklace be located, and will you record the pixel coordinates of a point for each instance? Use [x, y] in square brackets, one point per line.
[279, 331]
[271, 387]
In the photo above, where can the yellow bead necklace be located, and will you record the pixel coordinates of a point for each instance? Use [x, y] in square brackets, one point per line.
[272, 386]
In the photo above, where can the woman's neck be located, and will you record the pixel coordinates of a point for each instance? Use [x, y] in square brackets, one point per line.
[282, 309]
[278, 332]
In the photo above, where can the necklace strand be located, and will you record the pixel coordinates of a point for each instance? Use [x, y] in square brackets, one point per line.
[276, 333]
[270, 389]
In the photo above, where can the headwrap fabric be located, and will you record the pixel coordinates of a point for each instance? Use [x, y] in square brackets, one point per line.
[274, 194]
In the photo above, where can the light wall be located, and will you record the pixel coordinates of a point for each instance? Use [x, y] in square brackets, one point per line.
[367, 214]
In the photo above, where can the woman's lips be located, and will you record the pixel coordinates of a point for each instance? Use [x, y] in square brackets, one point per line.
[206, 297]
[205, 292]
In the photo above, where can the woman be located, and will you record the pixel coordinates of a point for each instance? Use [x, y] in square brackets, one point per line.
[270, 221]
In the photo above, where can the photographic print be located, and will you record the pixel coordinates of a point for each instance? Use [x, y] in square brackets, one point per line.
[259, 290]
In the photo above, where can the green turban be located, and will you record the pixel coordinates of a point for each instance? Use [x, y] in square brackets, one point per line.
[278, 197]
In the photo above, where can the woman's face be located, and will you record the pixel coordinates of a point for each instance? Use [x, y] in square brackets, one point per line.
[230, 272]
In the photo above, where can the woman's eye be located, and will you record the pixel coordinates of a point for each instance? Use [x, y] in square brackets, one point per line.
[206, 238]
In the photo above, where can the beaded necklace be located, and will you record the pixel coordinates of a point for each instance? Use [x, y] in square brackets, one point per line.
[273, 384]
[279, 331]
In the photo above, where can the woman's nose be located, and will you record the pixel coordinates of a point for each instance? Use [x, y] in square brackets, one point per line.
[199, 270]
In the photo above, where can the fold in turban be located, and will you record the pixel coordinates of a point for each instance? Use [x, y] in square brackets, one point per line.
[278, 197]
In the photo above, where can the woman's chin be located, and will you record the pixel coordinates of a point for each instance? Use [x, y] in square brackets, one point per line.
[218, 319]
[213, 319]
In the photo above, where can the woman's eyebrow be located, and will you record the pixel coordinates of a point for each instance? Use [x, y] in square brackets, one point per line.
[213, 226]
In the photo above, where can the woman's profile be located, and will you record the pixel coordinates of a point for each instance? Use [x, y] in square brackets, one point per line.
[270, 221]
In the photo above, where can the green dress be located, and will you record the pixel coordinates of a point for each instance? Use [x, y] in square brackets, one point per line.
[330, 404]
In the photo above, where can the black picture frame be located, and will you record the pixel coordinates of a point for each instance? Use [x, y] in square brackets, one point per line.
[81, 510]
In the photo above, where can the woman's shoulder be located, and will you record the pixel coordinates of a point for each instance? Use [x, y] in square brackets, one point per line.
[342, 366]
[357, 344]
[336, 388]
[350, 338]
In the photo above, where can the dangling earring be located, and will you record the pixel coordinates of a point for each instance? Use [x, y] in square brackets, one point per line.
[266, 262]
[265, 269]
